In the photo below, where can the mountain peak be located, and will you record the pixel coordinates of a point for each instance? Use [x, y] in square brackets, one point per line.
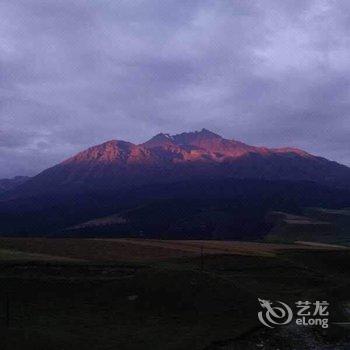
[185, 138]
[204, 133]
[159, 140]
[162, 136]
[204, 140]
[208, 133]
[109, 151]
[197, 138]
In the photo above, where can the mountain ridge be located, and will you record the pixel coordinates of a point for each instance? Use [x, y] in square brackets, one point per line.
[117, 164]
[189, 146]
[195, 184]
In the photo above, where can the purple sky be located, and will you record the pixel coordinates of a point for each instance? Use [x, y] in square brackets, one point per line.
[74, 73]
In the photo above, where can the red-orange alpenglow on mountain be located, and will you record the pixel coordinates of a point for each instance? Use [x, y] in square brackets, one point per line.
[165, 158]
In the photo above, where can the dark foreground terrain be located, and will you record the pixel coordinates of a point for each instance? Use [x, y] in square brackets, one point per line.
[139, 294]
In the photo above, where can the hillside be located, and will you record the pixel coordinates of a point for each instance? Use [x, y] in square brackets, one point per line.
[193, 185]
[316, 225]
[9, 184]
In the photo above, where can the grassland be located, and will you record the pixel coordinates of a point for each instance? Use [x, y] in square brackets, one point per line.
[141, 250]
[151, 294]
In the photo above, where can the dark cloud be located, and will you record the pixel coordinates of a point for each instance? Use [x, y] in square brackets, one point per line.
[77, 73]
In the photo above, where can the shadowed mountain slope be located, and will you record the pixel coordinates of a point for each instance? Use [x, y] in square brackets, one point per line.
[9, 184]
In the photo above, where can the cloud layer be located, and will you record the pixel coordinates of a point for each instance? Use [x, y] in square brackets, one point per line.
[77, 73]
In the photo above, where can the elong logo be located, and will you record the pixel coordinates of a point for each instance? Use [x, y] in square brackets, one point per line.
[278, 313]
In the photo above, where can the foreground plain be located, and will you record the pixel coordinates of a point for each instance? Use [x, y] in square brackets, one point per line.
[153, 294]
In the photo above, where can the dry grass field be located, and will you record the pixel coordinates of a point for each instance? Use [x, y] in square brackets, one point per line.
[133, 294]
[139, 249]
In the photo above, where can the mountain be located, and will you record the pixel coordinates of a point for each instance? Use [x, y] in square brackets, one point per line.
[212, 209]
[116, 165]
[9, 184]
[194, 184]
